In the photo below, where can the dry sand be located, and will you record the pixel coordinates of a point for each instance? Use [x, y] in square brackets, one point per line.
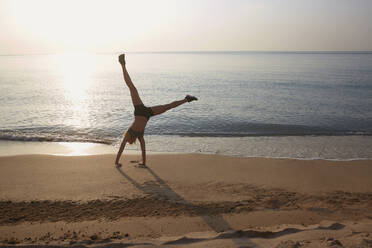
[184, 200]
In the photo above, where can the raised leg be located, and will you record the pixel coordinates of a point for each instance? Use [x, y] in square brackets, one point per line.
[133, 91]
[157, 110]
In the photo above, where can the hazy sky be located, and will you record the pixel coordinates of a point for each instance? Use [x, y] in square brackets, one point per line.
[50, 26]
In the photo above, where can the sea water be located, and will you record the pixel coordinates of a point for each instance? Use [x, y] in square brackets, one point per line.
[265, 104]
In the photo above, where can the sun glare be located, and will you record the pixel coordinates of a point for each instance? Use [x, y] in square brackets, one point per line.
[59, 22]
[76, 72]
[76, 76]
[85, 26]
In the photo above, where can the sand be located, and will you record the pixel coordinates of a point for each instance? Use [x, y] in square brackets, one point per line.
[188, 200]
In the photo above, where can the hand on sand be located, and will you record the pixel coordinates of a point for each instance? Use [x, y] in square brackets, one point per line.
[141, 165]
[122, 59]
[138, 164]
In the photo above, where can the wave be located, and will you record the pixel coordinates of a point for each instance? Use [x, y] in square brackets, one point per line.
[222, 128]
[351, 133]
[92, 137]
[51, 137]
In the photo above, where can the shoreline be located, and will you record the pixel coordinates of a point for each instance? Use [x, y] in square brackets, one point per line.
[306, 148]
[188, 199]
[138, 154]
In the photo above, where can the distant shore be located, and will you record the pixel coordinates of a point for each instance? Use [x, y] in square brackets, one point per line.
[187, 199]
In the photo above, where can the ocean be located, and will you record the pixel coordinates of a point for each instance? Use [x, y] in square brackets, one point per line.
[255, 104]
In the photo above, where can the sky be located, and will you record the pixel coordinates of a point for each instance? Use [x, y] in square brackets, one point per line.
[53, 26]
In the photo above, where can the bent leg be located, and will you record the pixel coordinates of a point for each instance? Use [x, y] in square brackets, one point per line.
[121, 149]
[133, 91]
[157, 110]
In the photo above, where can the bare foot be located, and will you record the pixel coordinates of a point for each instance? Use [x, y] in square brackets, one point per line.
[118, 165]
[191, 98]
[122, 59]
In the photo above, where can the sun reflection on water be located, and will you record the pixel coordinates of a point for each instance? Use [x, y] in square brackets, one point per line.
[77, 77]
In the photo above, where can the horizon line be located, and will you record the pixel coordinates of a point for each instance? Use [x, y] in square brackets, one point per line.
[196, 51]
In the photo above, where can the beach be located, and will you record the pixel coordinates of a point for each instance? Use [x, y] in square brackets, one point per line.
[184, 200]
[253, 118]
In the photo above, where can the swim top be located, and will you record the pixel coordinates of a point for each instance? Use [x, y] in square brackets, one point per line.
[135, 134]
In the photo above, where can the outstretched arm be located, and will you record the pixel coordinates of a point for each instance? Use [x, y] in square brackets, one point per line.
[143, 148]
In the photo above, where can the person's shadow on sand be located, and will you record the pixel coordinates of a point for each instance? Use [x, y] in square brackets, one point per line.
[161, 190]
